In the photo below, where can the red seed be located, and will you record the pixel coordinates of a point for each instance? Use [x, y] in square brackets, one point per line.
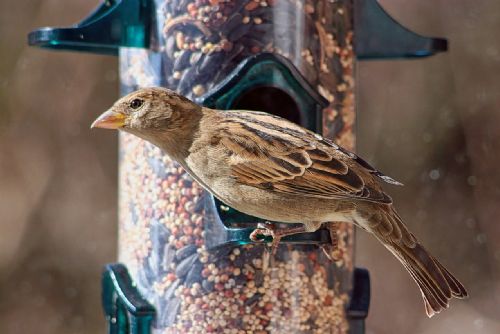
[251, 5]
[205, 272]
[255, 49]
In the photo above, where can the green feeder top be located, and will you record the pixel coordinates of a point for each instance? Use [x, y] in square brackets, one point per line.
[127, 23]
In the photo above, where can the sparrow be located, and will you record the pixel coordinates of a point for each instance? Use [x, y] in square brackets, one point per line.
[271, 168]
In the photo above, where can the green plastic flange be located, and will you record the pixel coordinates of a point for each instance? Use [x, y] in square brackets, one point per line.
[127, 23]
[127, 312]
[113, 24]
[379, 36]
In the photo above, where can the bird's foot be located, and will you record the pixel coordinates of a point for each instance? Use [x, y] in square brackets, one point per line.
[264, 230]
[269, 229]
[332, 250]
[333, 254]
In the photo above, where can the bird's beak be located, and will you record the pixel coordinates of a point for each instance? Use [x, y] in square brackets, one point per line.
[109, 120]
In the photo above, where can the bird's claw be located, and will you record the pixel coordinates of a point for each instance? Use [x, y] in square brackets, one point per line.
[332, 253]
[264, 230]
[332, 250]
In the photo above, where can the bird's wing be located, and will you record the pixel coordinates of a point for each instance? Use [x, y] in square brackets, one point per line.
[271, 153]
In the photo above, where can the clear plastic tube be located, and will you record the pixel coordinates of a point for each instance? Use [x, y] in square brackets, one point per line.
[165, 216]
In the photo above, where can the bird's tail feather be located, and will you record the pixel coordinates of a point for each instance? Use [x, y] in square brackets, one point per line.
[436, 283]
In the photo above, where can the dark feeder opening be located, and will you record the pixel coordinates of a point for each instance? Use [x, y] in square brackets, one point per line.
[271, 100]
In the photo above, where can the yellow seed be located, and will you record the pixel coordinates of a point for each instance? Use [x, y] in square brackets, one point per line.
[198, 90]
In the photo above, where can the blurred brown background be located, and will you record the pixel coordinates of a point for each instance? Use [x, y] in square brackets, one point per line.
[433, 124]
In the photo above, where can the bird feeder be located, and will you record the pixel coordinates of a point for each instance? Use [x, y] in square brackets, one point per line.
[187, 264]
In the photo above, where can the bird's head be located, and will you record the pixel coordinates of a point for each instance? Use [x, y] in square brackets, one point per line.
[151, 113]
[147, 109]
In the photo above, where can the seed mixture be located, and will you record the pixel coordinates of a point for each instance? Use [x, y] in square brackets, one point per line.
[165, 216]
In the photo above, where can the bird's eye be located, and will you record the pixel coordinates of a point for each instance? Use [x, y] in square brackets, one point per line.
[136, 103]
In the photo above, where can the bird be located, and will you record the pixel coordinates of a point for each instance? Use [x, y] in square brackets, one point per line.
[268, 167]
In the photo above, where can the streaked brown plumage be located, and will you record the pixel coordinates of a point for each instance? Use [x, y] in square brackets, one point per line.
[268, 167]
